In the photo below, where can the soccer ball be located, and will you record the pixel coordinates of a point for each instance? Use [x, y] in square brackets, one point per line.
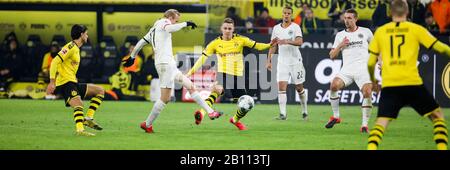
[245, 103]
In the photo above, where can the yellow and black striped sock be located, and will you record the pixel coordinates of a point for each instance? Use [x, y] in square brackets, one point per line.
[95, 103]
[210, 101]
[376, 134]
[239, 115]
[78, 117]
[440, 134]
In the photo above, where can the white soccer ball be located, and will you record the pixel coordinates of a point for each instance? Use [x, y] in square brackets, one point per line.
[245, 103]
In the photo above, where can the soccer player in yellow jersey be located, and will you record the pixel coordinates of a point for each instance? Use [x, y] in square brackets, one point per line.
[63, 81]
[398, 44]
[228, 48]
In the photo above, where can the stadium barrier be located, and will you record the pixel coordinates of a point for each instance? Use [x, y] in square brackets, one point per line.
[320, 70]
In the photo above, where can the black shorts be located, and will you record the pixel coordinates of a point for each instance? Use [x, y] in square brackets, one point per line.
[234, 86]
[70, 90]
[392, 99]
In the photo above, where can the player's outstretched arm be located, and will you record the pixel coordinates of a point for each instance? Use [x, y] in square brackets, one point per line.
[176, 27]
[127, 62]
[297, 42]
[197, 64]
[441, 48]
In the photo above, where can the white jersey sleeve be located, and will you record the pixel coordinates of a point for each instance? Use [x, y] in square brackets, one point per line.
[369, 35]
[174, 27]
[147, 39]
[297, 31]
[274, 32]
[337, 40]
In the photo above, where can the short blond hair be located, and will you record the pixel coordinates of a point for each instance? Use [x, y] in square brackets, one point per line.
[228, 20]
[171, 13]
[399, 8]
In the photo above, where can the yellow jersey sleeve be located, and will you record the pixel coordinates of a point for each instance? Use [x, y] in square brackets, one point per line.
[65, 53]
[62, 55]
[210, 50]
[253, 44]
[425, 37]
[374, 52]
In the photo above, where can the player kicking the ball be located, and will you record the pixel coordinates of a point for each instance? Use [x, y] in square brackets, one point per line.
[160, 37]
[228, 48]
[353, 42]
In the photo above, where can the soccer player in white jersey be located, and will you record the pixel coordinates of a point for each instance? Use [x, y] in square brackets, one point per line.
[289, 38]
[354, 43]
[160, 37]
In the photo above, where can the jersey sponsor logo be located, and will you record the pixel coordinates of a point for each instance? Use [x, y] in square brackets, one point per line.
[361, 36]
[355, 43]
[445, 80]
[70, 46]
[232, 54]
[64, 51]
[74, 63]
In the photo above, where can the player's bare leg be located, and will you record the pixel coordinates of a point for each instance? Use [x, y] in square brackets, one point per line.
[366, 107]
[187, 83]
[336, 85]
[303, 100]
[97, 93]
[282, 99]
[77, 104]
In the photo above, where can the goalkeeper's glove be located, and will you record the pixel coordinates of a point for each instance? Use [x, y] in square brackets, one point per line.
[191, 24]
[128, 62]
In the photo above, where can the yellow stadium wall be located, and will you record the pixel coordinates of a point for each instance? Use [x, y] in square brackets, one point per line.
[365, 8]
[121, 24]
[46, 24]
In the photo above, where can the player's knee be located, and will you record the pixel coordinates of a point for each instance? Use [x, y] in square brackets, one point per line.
[165, 100]
[437, 114]
[218, 89]
[184, 81]
[281, 88]
[101, 90]
[299, 88]
[367, 91]
[76, 101]
[334, 86]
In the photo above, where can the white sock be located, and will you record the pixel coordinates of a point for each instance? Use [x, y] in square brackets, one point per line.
[282, 99]
[304, 101]
[366, 109]
[201, 102]
[334, 100]
[157, 108]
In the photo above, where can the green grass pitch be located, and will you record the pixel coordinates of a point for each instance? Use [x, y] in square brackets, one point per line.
[41, 124]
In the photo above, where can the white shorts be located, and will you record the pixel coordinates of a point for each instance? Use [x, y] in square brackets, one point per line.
[296, 73]
[360, 78]
[167, 73]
